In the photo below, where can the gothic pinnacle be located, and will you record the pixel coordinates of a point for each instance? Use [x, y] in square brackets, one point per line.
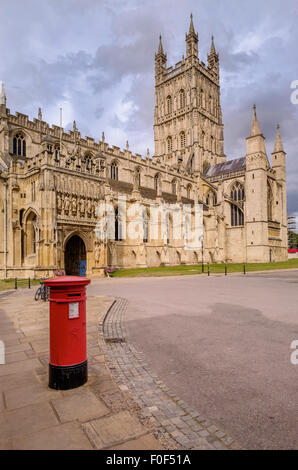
[191, 27]
[2, 95]
[278, 146]
[160, 48]
[255, 127]
[212, 50]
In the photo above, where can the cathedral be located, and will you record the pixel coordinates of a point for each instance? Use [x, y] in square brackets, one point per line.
[52, 181]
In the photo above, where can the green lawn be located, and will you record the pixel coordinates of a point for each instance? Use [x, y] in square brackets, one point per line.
[197, 269]
[6, 284]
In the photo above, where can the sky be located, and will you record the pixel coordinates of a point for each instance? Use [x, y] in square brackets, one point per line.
[95, 59]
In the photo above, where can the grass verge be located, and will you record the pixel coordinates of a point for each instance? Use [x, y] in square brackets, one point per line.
[197, 269]
[6, 284]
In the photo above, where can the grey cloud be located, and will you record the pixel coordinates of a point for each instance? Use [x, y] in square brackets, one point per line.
[99, 56]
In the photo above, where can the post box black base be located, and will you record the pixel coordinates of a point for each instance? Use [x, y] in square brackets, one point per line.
[67, 377]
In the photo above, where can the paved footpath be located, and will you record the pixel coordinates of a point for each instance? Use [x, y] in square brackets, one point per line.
[98, 415]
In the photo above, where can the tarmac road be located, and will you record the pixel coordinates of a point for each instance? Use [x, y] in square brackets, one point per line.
[223, 345]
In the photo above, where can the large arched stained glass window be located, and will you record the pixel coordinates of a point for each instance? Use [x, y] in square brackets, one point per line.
[237, 195]
[19, 145]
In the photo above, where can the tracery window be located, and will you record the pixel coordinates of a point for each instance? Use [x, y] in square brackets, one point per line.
[182, 139]
[237, 195]
[211, 198]
[182, 99]
[138, 177]
[19, 145]
[169, 144]
[169, 104]
[57, 152]
[118, 225]
[269, 202]
[114, 171]
[88, 161]
[156, 182]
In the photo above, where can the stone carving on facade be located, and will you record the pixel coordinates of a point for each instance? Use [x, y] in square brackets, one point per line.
[82, 207]
[74, 206]
[59, 203]
[97, 250]
[66, 204]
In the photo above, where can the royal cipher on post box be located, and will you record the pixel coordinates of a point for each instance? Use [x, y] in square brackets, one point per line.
[68, 350]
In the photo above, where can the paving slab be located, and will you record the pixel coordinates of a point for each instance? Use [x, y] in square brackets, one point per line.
[147, 442]
[21, 379]
[113, 430]
[19, 367]
[68, 436]
[26, 420]
[80, 404]
[15, 357]
[18, 348]
[40, 346]
[28, 395]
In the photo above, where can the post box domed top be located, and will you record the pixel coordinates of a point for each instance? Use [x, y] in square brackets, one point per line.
[67, 281]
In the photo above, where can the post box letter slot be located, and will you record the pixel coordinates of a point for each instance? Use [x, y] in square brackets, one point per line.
[73, 310]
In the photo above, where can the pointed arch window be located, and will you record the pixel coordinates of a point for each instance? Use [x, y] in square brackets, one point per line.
[182, 139]
[88, 161]
[169, 104]
[138, 177]
[182, 99]
[114, 171]
[156, 182]
[57, 152]
[118, 225]
[237, 195]
[169, 144]
[31, 234]
[19, 145]
[211, 199]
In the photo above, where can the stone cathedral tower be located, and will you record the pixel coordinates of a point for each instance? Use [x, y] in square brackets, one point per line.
[188, 128]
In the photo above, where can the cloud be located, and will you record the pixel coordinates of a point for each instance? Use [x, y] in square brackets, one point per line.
[96, 59]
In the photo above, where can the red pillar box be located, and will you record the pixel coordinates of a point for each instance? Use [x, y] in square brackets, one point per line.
[68, 351]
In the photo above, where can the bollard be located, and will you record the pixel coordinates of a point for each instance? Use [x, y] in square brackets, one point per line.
[16, 283]
[208, 270]
[29, 283]
[68, 351]
[226, 270]
[244, 270]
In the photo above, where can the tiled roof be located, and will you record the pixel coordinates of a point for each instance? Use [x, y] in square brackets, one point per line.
[226, 167]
